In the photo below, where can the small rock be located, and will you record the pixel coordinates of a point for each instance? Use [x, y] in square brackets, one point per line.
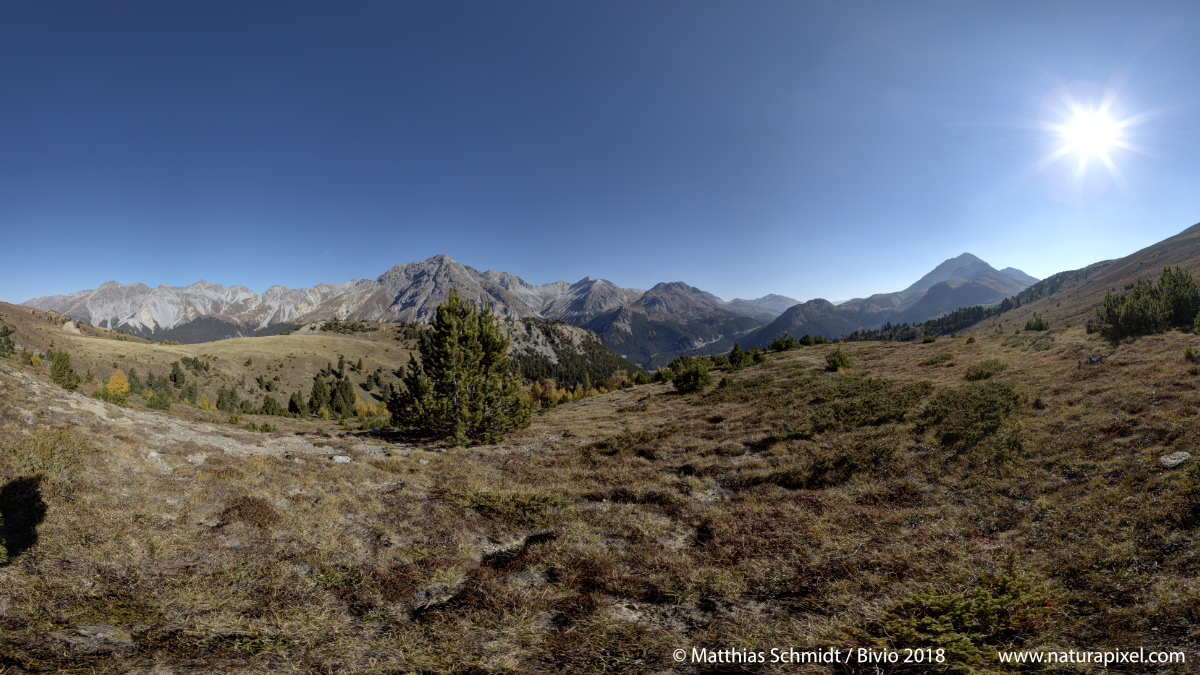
[340, 459]
[98, 639]
[1174, 459]
[532, 579]
[422, 461]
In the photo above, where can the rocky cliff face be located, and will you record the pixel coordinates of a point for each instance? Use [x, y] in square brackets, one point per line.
[139, 308]
[408, 292]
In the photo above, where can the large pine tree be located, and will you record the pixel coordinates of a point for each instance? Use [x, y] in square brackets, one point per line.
[462, 387]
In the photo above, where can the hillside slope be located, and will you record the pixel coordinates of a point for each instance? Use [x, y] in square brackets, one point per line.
[1074, 295]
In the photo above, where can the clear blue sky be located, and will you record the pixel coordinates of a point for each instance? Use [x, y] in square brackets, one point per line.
[809, 149]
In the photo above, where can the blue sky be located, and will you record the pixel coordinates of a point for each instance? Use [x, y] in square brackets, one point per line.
[808, 149]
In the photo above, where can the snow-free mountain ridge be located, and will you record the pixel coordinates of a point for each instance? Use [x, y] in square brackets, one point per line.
[675, 317]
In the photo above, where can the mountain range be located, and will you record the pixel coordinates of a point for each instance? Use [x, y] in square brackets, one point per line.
[964, 281]
[646, 326]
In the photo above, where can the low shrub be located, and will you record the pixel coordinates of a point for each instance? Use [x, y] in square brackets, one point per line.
[968, 627]
[161, 400]
[787, 342]
[929, 339]
[963, 418]
[522, 509]
[937, 358]
[841, 403]
[836, 360]
[1190, 354]
[1037, 323]
[662, 375]
[106, 395]
[694, 379]
[971, 340]
[985, 369]
[56, 456]
[254, 511]
[830, 467]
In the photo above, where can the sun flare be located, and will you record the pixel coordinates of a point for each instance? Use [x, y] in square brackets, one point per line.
[1091, 133]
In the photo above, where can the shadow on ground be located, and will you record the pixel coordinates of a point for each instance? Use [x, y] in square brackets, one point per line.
[22, 509]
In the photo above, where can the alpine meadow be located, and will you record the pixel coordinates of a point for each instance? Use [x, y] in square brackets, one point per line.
[652, 337]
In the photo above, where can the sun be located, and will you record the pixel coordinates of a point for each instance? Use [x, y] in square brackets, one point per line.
[1091, 133]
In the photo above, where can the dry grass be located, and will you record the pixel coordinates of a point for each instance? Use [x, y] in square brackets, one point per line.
[894, 504]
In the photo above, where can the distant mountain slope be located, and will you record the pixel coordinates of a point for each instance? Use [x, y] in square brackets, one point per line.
[45, 303]
[561, 352]
[676, 301]
[779, 303]
[651, 343]
[1019, 275]
[947, 296]
[753, 310]
[815, 317]
[964, 266]
[959, 282]
[588, 298]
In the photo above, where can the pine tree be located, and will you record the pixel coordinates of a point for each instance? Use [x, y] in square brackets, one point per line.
[62, 372]
[270, 406]
[177, 377]
[462, 387]
[343, 399]
[319, 397]
[296, 405]
[737, 357]
[360, 366]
